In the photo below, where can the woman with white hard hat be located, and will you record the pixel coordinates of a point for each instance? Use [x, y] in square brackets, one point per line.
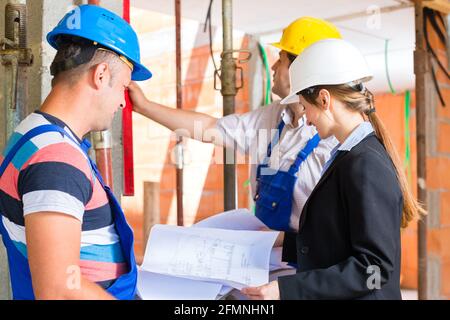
[348, 244]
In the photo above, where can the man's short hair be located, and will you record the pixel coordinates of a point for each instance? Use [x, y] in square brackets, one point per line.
[76, 55]
[291, 57]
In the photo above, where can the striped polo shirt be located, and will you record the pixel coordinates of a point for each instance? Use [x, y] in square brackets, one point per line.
[52, 173]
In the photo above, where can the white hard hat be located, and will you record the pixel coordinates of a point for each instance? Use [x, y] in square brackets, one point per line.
[326, 62]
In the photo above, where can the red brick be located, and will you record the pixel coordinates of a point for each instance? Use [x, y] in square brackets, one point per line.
[445, 277]
[438, 241]
[445, 209]
[211, 203]
[214, 179]
[409, 260]
[445, 112]
[440, 75]
[168, 178]
[433, 242]
[443, 137]
[438, 175]
[166, 198]
[243, 199]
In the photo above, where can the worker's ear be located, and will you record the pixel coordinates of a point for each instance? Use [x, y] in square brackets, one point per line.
[324, 99]
[101, 75]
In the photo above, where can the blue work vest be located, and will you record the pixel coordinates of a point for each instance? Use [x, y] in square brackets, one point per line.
[124, 288]
[275, 188]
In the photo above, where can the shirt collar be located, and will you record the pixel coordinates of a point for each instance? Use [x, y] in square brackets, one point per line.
[85, 144]
[287, 117]
[362, 131]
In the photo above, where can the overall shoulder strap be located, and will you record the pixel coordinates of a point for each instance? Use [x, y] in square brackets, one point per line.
[24, 139]
[304, 153]
[274, 141]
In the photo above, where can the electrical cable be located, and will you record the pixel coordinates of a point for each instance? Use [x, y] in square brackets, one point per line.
[386, 45]
[268, 85]
[209, 26]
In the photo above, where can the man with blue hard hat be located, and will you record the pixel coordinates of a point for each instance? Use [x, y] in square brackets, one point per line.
[66, 235]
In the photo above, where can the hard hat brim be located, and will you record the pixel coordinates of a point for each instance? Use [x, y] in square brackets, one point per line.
[292, 98]
[140, 73]
[278, 45]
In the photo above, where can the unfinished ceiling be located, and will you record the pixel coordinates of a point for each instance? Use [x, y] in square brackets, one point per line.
[368, 24]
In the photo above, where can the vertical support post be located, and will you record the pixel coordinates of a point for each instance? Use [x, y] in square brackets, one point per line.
[127, 130]
[14, 61]
[103, 155]
[16, 57]
[179, 146]
[229, 90]
[421, 70]
[151, 208]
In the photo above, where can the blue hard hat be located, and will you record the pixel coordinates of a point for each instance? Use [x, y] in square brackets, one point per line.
[105, 28]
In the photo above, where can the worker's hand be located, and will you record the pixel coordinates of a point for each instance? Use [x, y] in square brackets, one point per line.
[268, 291]
[137, 97]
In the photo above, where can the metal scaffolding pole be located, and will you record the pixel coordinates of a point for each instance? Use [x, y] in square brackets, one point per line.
[16, 58]
[229, 91]
[421, 70]
[179, 146]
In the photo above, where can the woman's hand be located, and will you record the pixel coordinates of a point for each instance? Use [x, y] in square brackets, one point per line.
[268, 291]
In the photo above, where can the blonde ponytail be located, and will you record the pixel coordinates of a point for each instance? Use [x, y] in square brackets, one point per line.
[362, 100]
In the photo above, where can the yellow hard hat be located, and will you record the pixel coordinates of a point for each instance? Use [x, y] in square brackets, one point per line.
[303, 32]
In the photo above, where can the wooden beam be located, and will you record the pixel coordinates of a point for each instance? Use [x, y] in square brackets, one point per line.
[438, 5]
[152, 214]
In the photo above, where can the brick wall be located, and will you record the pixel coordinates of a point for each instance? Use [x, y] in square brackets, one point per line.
[391, 109]
[204, 178]
[153, 144]
[438, 182]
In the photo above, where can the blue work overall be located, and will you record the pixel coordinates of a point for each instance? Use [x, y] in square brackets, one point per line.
[124, 288]
[275, 189]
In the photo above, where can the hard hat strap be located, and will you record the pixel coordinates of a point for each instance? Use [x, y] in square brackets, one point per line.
[121, 57]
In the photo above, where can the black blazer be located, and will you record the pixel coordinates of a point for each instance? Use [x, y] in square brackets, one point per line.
[349, 229]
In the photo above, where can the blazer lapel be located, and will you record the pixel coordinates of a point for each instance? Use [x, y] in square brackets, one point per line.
[341, 156]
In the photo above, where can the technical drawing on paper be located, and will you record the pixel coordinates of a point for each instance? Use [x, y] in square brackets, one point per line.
[210, 258]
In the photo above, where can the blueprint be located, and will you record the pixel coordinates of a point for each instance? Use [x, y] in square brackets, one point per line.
[236, 258]
[155, 286]
[243, 219]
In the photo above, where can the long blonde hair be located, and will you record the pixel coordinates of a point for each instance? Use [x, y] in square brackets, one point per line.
[360, 99]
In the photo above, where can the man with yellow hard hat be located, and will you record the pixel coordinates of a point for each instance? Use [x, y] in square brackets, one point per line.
[287, 154]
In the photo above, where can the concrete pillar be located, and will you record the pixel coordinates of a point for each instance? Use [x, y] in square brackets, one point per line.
[43, 16]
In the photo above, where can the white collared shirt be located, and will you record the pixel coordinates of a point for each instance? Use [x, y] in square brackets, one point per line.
[361, 131]
[260, 125]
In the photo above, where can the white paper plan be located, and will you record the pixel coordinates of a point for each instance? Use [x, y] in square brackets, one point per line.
[232, 257]
[240, 219]
[155, 286]
[243, 219]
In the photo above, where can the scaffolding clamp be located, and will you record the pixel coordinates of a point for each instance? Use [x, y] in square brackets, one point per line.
[230, 63]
